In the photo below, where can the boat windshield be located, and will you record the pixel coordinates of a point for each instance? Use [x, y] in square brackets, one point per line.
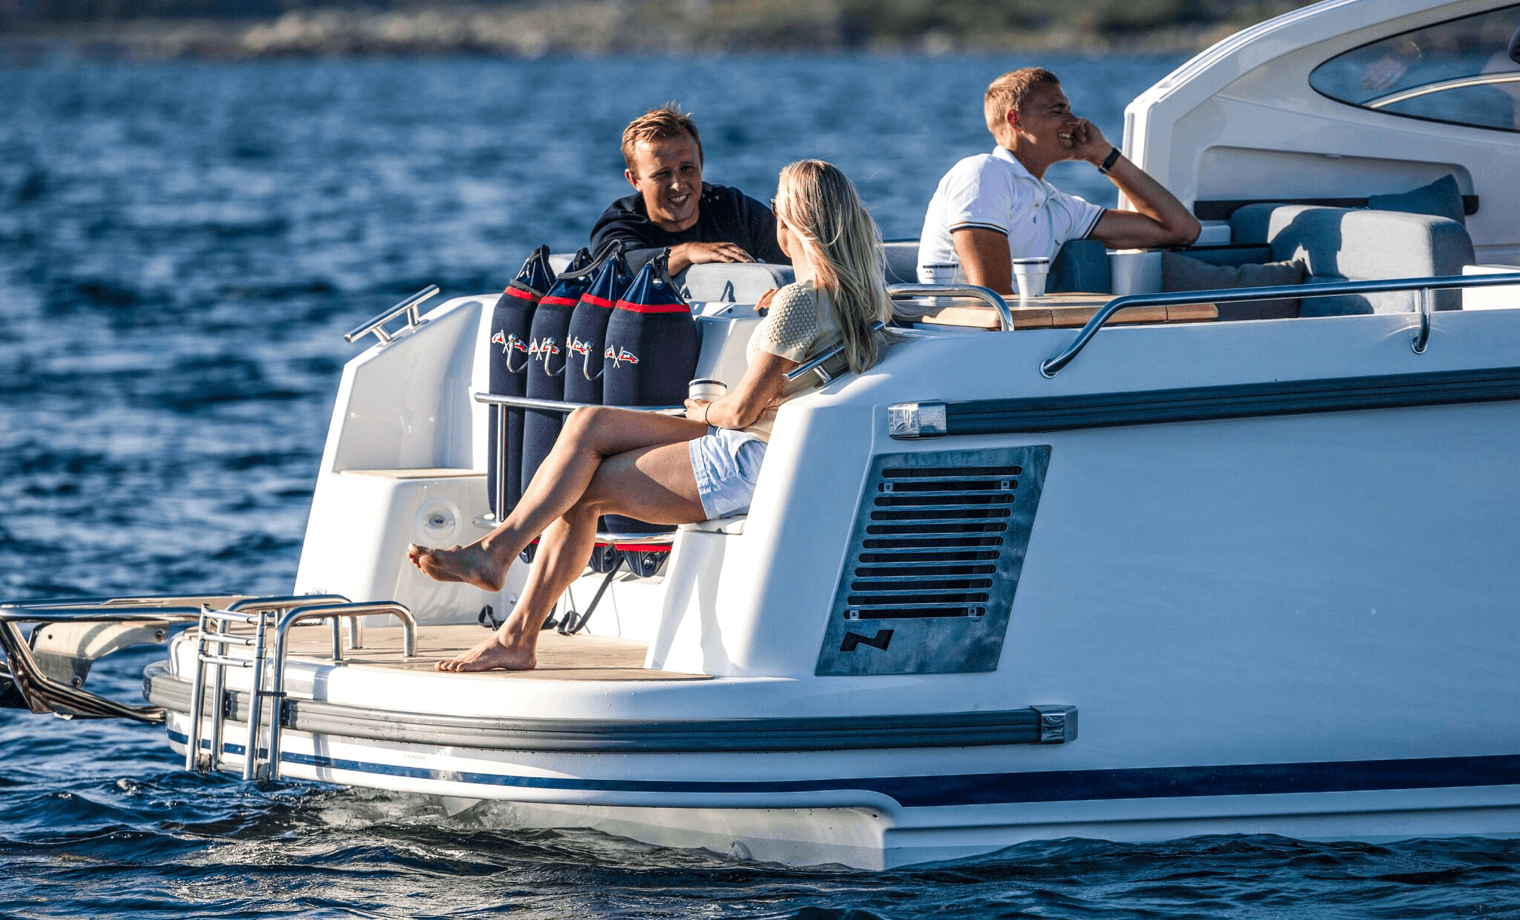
[1457, 72]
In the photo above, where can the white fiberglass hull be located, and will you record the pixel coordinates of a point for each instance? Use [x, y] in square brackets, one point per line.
[879, 818]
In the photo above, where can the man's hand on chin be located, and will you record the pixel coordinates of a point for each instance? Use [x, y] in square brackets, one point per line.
[1088, 142]
[688, 254]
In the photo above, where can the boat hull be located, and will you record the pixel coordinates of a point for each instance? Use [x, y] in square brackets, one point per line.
[884, 820]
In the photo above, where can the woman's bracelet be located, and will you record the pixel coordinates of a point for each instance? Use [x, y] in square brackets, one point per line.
[706, 409]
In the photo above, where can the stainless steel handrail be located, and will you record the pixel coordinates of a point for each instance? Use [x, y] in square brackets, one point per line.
[1441, 86]
[1052, 366]
[286, 602]
[993, 298]
[282, 636]
[555, 405]
[377, 324]
[815, 364]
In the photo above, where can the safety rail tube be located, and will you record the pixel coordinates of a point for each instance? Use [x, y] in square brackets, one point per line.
[377, 324]
[555, 405]
[1052, 366]
[285, 602]
[13, 614]
[815, 364]
[992, 298]
[282, 636]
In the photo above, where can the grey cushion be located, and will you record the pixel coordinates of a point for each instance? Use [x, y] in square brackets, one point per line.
[1182, 273]
[1441, 198]
[1359, 245]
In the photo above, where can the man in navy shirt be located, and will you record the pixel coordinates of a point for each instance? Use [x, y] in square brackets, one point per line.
[674, 209]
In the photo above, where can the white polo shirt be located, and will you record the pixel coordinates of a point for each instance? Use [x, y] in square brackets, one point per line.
[995, 191]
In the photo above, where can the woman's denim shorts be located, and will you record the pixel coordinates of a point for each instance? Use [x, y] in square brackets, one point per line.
[727, 464]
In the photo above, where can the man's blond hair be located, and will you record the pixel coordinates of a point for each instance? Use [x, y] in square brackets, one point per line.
[661, 124]
[1009, 93]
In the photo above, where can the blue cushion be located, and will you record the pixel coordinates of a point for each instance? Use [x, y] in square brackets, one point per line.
[1441, 198]
[1081, 265]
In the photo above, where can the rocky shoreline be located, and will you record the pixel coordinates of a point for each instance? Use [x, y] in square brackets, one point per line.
[608, 27]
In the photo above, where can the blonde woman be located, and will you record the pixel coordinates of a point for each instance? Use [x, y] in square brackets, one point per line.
[672, 470]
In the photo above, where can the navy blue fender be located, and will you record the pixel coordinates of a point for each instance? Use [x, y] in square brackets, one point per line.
[548, 354]
[587, 334]
[511, 323]
[651, 354]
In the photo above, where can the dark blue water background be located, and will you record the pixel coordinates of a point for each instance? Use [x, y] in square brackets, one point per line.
[181, 247]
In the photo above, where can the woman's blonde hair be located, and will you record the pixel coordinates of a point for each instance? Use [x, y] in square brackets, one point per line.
[843, 243]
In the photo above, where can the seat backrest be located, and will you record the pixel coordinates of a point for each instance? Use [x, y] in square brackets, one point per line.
[1081, 265]
[1359, 245]
[902, 261]
[738, 282]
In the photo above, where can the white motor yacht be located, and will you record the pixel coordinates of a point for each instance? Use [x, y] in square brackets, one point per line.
[1150, 558]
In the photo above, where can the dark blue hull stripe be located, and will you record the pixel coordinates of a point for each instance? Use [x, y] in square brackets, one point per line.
[1009, 788]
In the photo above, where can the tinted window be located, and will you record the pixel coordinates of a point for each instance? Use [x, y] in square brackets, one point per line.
[1458, 71]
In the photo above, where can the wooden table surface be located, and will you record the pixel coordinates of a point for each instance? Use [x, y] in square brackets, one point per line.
[1064, 310]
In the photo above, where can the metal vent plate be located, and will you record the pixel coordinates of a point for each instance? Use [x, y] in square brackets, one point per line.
[934, 560]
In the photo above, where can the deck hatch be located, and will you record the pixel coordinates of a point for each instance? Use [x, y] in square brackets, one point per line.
[934, 560]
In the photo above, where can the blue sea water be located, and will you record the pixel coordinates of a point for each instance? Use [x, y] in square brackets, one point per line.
[181, 248]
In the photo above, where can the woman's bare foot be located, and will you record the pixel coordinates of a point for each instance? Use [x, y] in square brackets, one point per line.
[490, 654]
[469, 564]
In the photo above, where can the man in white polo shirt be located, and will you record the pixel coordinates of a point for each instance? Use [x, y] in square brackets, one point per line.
[995, 207]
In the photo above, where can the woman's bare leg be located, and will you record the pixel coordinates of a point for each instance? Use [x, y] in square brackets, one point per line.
[589, 437]
[562, 553]
[654, 484]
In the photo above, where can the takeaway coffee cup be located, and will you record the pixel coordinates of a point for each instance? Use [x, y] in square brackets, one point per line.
[1031, 276]
[706, 389]
[937, 273]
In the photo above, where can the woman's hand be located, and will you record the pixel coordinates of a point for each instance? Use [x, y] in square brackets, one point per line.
[696, 409]
[764, 303]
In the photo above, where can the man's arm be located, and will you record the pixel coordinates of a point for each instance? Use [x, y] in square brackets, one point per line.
[620, 223]
[746, 227]
[1159, 219]
[642, 241]
[685, 255]
[984, 257]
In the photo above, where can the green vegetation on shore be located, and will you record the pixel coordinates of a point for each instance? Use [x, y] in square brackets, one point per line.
[168, 29]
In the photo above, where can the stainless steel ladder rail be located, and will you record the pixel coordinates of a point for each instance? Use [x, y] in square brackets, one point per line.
[212, 642]
[276, 694]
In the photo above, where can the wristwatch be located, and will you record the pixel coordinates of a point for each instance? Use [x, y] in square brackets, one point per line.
[1109, 161]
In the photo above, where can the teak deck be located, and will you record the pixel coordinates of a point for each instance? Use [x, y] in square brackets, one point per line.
[1066, 310]
[559, 657]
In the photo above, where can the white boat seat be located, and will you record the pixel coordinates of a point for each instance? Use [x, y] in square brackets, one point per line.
[729, 525]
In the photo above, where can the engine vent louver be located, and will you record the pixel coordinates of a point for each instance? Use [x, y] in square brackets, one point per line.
[934, 559]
